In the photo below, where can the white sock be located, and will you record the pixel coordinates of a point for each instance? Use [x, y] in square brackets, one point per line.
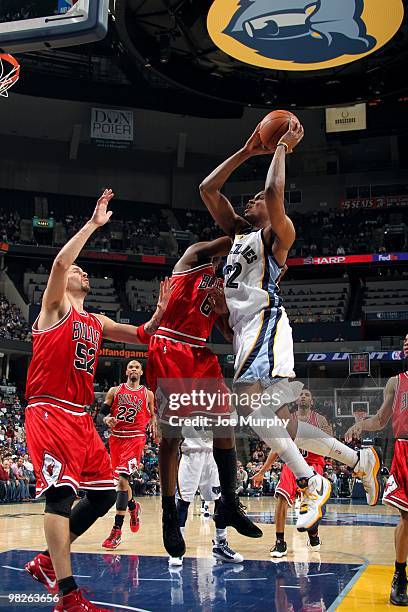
[290, 454]
[313, 439]
[287, 449]
[182, 529]
[220, 535]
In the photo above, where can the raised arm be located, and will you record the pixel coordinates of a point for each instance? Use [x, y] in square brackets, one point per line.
[324, 424]
[379, 420]
[120, 332]
[218, 205]
[203, 252]
[281, 233]
[55, 303]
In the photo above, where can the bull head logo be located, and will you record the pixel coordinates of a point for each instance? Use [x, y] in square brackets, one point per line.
[50, 468]
[303, 32]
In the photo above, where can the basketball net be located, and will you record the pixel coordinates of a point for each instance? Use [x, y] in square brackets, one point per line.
[9, 73]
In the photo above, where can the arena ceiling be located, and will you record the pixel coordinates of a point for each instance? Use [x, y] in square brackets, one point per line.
[159, 55]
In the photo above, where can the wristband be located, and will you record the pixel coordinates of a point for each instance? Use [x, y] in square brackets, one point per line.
[283, 144]
[142, 335]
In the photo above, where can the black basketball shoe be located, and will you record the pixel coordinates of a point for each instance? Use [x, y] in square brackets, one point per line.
[279, 550]
[172, 539]
[233, 515]
[399, 595]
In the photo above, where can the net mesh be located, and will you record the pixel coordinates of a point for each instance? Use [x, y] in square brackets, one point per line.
[9, 73]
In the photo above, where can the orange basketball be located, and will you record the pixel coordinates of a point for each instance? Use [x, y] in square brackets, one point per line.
[274, 126]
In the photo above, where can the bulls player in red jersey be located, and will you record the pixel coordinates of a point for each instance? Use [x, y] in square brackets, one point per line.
[127, 410]
[177, 354]
[287, 489]
[395, 406]
[65, 448]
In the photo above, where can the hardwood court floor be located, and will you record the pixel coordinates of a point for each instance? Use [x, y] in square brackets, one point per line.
[357, 540]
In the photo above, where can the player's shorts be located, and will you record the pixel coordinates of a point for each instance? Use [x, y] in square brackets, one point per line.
[198, 470]
[66, 450]
[263, 347]
[126, 454]
[287, 486]
[176, 368]
[396, 491]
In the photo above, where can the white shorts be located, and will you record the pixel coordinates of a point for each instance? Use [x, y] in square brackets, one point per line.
[198, 470]
[263, 346]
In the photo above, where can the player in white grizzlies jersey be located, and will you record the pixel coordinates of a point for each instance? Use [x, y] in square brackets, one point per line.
[263, 342]
[197, 469]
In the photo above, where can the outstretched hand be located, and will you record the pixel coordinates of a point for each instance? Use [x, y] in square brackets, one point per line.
[216, 298]
[101, 214]
[257, 479]
[354, 433]
[164, 294]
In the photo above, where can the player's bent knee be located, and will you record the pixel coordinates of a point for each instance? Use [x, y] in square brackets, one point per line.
[87, 511]
[59, 500]
[101, 501]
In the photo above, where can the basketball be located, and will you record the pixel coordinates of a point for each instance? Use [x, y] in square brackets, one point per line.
[274, 126]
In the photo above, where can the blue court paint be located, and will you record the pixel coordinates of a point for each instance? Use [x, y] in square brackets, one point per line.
[129, 582]
[334, 518]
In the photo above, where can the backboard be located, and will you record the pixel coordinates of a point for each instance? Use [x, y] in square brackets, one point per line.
[32, 25]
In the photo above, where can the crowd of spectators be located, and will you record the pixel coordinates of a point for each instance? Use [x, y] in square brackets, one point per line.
[319, 233]
[17, 480]
[12, 324]
[9, 226]
[339, 232]
[327, 315]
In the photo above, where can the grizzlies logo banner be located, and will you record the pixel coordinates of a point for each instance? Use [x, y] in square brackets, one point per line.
[303, 34]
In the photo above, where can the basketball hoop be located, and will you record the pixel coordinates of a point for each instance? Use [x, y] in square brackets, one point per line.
[8, 77]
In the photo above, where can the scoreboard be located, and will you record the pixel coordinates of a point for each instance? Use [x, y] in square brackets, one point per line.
[359, 363]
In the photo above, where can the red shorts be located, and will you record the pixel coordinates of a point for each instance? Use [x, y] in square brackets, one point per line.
[65, 449]
[396, 491]
[126, 453]
[287, 485]
[174, 368]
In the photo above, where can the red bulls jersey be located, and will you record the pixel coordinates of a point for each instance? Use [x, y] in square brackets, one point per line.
[400, 407]
[189, 317]
[312, 458]
[64, 361]
[131, 409]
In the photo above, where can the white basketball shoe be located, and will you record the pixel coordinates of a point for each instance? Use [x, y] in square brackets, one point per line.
[315, 494]
[368, 470]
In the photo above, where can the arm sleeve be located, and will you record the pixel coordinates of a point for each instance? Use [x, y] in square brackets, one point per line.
[104, 411]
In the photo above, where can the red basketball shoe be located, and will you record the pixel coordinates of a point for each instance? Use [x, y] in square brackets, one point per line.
[135, 518]
[114, 538]
[41, 569]
[76, 602]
